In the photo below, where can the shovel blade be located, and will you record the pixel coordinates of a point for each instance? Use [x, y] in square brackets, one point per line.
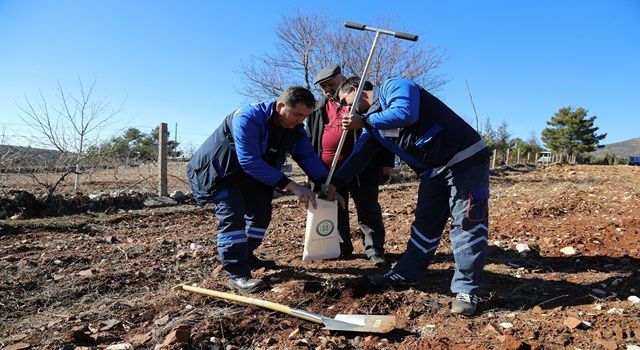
[360, 323]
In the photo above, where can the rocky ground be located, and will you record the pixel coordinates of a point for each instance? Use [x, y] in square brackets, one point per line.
[94, 280]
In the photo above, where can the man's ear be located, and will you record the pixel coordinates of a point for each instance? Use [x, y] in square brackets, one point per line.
[353, 88]
[279, 106]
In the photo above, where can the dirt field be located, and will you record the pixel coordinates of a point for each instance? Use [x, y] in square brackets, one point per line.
[90, 281]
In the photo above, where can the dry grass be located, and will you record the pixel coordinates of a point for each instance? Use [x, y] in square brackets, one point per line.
[142, 178]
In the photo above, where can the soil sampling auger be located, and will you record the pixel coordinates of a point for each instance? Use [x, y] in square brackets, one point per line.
[342, 322]
[363, 78]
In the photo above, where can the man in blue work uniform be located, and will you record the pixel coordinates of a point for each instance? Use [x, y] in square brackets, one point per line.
[453, 163]
[239, 166]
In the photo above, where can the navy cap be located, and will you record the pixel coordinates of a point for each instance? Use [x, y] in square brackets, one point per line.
[327, 73]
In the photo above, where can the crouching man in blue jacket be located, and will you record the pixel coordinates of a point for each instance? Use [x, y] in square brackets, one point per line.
[239, 166]
[453, 163]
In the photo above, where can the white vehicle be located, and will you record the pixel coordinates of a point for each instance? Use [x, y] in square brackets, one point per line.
[544, 157]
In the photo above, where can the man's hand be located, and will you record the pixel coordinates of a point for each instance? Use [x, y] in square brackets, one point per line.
[329, 193]
[305, 195]
[352, 122]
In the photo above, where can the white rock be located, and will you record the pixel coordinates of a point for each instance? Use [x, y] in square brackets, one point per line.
[634, 299]
[178, 195]
[428, 330]
[523, 248]
[159, 201]
[506, 325]
[569, 251]
[598, 307]
[633, 347]
[615, 311]
[123, 346]
[501, 244]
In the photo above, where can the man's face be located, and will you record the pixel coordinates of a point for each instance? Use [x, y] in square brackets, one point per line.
[346, 99]
[290, 117]
[329, 87]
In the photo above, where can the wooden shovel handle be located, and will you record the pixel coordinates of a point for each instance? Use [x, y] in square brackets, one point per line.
[253, 301]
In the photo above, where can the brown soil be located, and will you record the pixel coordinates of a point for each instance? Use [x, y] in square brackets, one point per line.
[92, 281]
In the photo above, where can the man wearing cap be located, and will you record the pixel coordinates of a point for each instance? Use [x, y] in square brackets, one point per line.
[239, 166]
[453, 164]
[325, 129]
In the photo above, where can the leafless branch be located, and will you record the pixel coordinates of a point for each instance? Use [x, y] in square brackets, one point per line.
[70, 125]
[51, 188]
[306, 43]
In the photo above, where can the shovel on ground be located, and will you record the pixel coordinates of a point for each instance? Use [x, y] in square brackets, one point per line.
[342, 322]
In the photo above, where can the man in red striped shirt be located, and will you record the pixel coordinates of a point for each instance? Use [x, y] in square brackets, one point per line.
[325, 129]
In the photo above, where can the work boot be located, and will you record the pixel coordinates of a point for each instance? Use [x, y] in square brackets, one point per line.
[464, 304]
[391, 279]
[378, 260]
[345, 256]
[247, 284]
[256, 263]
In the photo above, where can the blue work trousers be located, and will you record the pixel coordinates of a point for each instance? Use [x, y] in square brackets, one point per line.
[463, 196]
[243, 211]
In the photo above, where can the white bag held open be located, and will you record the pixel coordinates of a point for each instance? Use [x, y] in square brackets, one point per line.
[321, 239]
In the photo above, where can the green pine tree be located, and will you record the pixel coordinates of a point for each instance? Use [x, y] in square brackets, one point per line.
[571, 132]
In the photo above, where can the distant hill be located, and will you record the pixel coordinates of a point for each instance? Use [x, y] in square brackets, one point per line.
[17, 156]
[621, 149]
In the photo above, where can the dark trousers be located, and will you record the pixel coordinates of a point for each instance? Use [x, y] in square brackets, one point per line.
[365, 198]
[243, 211]
[463, 196]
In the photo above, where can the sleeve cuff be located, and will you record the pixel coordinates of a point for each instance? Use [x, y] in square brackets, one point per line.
[282, 183]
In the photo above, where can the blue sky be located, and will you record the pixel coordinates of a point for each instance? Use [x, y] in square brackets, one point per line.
[178, 61]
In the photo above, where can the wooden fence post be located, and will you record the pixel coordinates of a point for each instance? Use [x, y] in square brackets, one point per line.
[162, 159]
[493, 162]
[506, 161]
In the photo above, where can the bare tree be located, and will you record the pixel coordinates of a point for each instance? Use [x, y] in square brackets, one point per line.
[307, 43]
[298, 53]
[72, 124]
